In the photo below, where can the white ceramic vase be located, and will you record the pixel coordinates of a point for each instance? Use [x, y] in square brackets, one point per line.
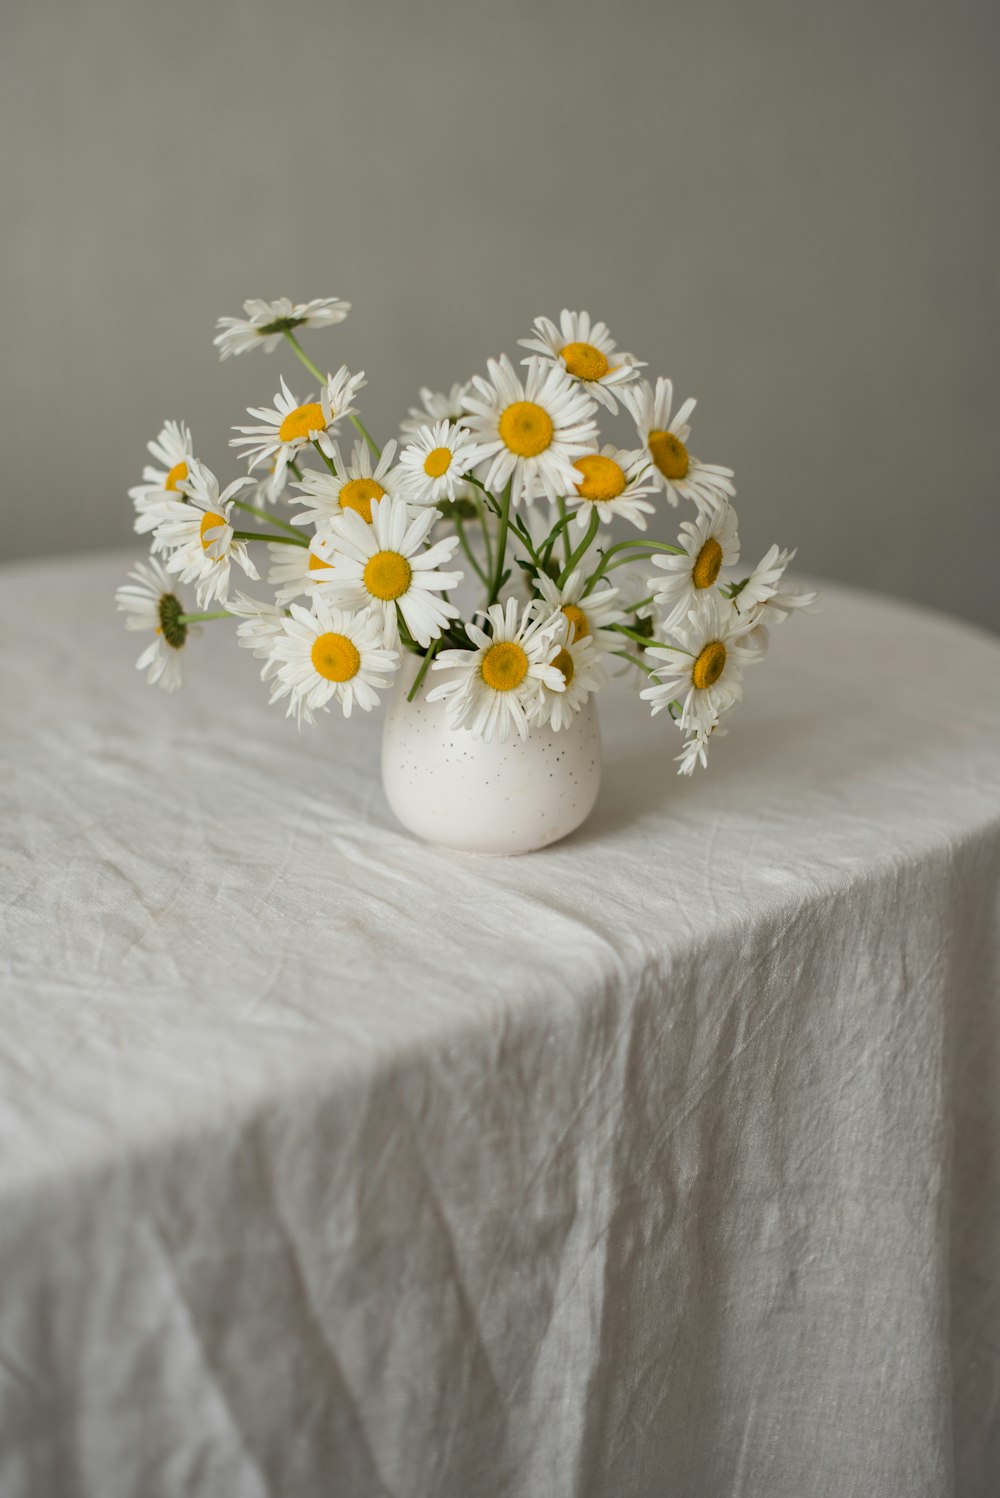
[452, 789]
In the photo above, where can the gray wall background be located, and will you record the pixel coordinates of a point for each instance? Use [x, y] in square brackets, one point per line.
[792, 209]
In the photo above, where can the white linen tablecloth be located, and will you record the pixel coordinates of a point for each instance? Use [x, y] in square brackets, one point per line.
[663, 1162]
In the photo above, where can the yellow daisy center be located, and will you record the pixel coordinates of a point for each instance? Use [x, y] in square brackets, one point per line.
[504, 666]
[526, 429]
[358, 495]
[300, 422]
[707, 564]
[603, 478]
[387, 575]
[210, 522]
[564, 663]
[585, 361]
[335, 657]
[317, 564]
[669, 454]
[578, 622]
[709, 666]
[437, 462]
[176, 476]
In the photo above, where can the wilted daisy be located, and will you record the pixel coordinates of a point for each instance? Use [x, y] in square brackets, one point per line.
[437, 405]
[149, 603]
[287, 427]
[266, 323]
[587, 353]
[705, 673]
[579, 663]
[261, 625]
[613, 483]
[530, 431]
[386, 566]
[326, 654]
[496, 685]
[590, 616]
[173, 451]
[295, 569]
[201, 542]
[709, 543]
[356, 485]
[675, 470]
[432, 467]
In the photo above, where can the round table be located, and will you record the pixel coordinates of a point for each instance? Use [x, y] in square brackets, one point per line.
[664, 1161]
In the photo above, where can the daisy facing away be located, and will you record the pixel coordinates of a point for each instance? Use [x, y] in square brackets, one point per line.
[324, 655]
[612, 483]
[437, 405]
[172, 449]
[675, 469]
[149, 603]
[586, 352]
[708, 543]
[356, 485]
[530, 431]
[199, 538]
[287, 427]
[266, 323]
[386, 566]
[495, 686]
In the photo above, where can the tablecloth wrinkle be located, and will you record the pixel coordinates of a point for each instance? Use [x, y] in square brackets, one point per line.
[664, 1163]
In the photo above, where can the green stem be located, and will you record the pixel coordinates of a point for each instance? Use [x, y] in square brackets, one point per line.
[581, 550]
[326, 459]
[360, 427]
[197, 618]
[295, 469]
[286, 525]
[460, 532]
[487, 540]
[606, 565]
[501, 544]
[424, 666]
[626, 655]
[271, 536]
[564, 525]
[644, 640]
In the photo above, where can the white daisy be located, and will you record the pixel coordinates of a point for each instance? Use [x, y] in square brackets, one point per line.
[172, 449]
[590, 615]
[437, 406]
[764, 586]
[705, 673]
[355, 485]
[614, 483]
[432, 467]
[261, 626]
[695, 751]
[579, 661]
[497, 685]
[675, 470]
[386, 566]
[266, 323]
[326, 654]
[530, 431]
[287, 427]
[587, 353]
[294, 570]
[201, 542]
[709, 543]
[150, 604]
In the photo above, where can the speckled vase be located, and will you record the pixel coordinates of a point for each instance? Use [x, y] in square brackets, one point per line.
[452, 789]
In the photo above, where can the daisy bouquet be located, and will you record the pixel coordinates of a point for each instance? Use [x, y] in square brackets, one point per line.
[502, 485]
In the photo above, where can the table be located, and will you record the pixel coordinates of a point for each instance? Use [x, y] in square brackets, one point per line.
[663, 1162]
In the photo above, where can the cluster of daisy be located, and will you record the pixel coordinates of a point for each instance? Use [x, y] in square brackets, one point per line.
[506, 476]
